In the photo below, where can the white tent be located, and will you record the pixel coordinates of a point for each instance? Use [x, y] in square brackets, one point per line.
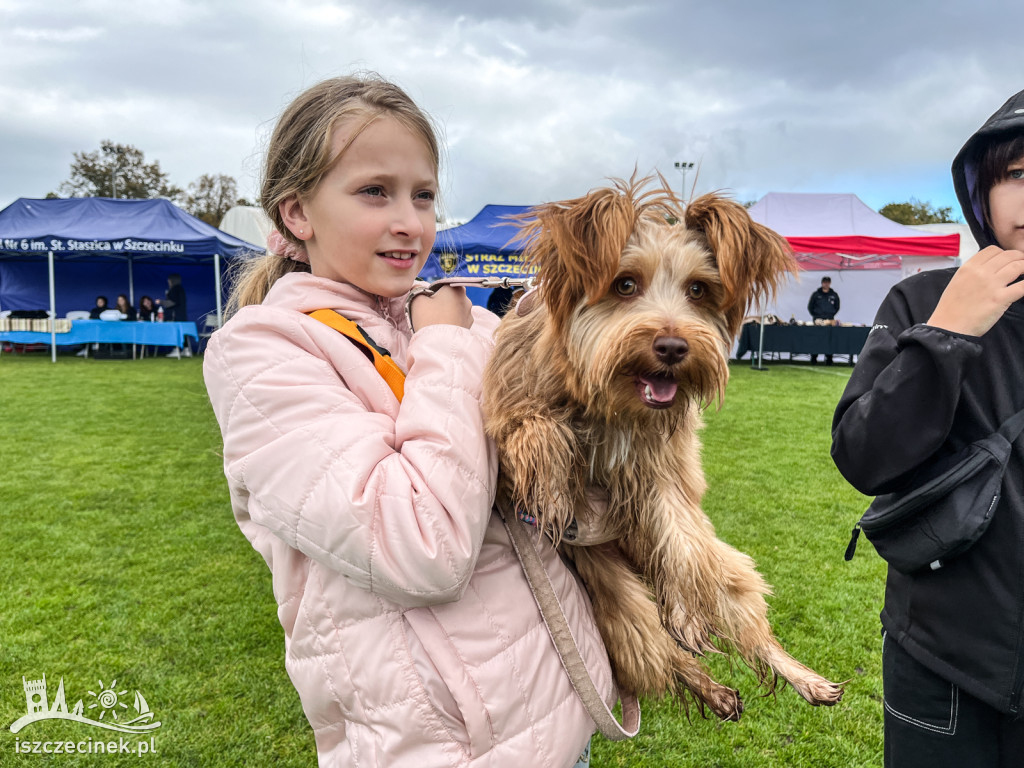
[247, 223]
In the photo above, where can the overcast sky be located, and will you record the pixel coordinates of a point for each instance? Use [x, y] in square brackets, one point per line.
[538, 100]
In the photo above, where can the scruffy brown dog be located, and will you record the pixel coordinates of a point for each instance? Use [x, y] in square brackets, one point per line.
[599, 382]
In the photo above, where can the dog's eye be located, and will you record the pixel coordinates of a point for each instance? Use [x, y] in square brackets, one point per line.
[697, 291]
[626, 286]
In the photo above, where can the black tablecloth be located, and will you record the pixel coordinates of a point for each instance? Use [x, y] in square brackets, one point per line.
[803, 339]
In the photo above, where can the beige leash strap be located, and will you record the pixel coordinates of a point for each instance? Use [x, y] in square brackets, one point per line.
[558, 628]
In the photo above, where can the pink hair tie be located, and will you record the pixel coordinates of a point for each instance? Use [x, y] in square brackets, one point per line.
[277, 244]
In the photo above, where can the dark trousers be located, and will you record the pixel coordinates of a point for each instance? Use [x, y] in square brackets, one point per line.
[931, 723]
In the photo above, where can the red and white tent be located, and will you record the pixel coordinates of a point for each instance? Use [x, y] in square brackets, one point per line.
[861, 250]
[833, 232]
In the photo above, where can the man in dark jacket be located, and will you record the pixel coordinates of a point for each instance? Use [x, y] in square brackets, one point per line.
[175, 310]
[942, 367]
[824, 305]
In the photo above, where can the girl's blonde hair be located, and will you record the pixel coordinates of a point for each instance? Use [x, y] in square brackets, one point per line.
[300, 154]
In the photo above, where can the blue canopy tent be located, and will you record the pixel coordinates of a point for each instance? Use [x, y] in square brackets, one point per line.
[100, 238]
[479, 248]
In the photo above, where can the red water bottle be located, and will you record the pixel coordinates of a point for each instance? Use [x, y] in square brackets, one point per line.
[160, 314]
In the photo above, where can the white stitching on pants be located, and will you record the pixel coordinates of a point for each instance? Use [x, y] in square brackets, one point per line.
[953, 713]
[954, 708]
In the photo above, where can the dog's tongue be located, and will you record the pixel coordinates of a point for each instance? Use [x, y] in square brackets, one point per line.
[659, 389]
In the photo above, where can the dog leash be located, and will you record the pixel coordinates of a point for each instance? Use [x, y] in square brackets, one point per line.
[558, 628]
[429, 289]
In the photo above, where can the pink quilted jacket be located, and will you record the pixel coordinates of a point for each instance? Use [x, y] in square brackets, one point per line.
[411, 634]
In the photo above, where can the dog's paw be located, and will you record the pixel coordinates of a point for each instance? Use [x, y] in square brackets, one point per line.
[818, 691]
[725, 702]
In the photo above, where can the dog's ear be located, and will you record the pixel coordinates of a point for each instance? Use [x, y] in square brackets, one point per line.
[752, 259]
[577, 244]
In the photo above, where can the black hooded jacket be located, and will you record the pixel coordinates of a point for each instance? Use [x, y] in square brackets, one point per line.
[919, 393]
[1008, 119]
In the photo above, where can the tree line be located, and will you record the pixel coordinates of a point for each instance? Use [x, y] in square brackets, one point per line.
[121, 171]
[915, 212]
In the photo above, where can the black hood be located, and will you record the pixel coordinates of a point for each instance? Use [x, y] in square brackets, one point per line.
[1008, 118]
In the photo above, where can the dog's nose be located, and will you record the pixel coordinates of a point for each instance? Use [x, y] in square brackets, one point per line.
[670, 349]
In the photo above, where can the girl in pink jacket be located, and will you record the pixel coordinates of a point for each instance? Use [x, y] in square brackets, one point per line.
[411, 633]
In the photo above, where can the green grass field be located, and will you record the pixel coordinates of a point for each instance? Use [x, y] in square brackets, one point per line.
[120, 561]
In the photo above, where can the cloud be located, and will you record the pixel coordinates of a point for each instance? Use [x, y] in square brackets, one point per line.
[538, 100]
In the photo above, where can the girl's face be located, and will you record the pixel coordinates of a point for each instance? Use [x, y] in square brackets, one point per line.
[1006, 208]
[371, 220]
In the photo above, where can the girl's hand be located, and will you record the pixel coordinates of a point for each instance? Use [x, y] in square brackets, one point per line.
[980, 292]
[449, 306]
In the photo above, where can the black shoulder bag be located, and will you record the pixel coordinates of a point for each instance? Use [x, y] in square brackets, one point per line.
[947, 509]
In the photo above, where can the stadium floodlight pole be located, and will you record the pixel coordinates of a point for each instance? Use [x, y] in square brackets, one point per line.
[114, 168]
[683, 167]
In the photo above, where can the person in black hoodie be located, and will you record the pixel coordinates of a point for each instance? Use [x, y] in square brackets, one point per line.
[942, 367]
[100, 308]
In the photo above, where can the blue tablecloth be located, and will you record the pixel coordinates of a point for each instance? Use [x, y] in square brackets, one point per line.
[110, 332]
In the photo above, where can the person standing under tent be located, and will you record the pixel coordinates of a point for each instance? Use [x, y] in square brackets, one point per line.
[175, 310]
[824, 306]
